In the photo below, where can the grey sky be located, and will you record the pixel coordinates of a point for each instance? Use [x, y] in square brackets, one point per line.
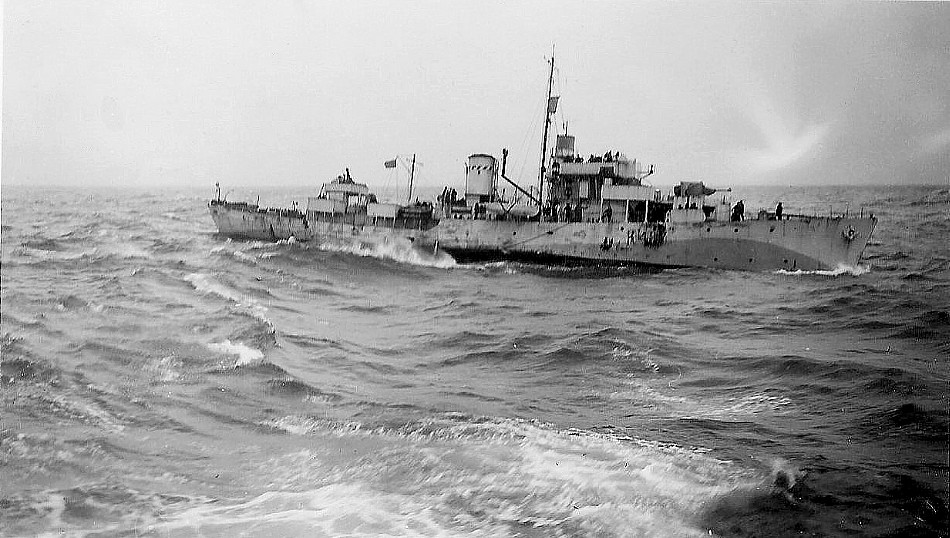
[288, 93]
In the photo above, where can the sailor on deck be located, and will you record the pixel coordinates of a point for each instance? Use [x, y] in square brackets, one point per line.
[738, 212]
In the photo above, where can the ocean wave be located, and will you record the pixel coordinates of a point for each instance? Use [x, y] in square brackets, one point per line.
[42, 243]
[166, 246]
[19, 365]
[786, 505]
[245, 355]
[251, 252]
[302, 425]
[45, 256]
[935, 197]
[241, 255]
[72, 302]
[205, 284]
[928, 325]
[746, 405]
[909, 419]
[90, 509]
[126, 250]
[480, 476]
[289, 387]
[322, 510]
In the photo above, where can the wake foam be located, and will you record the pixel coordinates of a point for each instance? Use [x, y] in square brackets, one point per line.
[330, 510]
[449, 475]
[455, 475]
[841, 269]
[397, 250]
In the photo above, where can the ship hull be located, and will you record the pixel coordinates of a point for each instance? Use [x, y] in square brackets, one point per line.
[796, 243]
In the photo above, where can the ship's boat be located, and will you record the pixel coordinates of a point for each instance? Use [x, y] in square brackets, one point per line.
[584, 210]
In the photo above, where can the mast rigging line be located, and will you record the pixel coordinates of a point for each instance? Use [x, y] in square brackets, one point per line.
[523, 152]
[544, 137]
[395, 186]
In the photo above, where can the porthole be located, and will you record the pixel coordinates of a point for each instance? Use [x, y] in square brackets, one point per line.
[708, 229]
[785, 260]
[514, 233]
[715, 259]
[771, 229]
[751, 260]
[736, 230]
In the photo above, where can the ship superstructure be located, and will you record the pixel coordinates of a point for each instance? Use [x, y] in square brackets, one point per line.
[585, 210]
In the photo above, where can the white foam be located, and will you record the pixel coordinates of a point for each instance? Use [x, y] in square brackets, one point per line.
[168, 368]
[49, 255]
[127, 251]
[789, 472]
[485, 477]
[306, 425]
[205, 284]
[245, 354]
[329, 510]
[458, 476]
[621, 352]
[397, 250]
[241, 255]
[87, 411]
[723, 407]
[755, 403]
[258, 245]
[840, 269]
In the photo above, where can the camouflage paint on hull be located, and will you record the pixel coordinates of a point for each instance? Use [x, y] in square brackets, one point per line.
[796, 243]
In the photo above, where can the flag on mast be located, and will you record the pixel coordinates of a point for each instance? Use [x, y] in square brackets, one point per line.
[552, 104]
[390, 164]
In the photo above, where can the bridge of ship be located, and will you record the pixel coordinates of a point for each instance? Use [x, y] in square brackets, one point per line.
[610, 188]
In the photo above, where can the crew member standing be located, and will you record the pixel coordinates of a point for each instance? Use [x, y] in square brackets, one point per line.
[738, 211]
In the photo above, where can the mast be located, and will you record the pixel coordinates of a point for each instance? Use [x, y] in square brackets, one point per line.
[544, 137]
[412, 172]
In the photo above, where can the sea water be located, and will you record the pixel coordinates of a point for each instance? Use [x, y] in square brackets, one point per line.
[159, 379]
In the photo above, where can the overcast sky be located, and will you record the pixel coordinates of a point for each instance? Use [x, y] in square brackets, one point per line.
[288, 93]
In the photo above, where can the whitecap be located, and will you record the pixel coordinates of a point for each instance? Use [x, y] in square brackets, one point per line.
[484, 476]
[245, 354]
[205, 284]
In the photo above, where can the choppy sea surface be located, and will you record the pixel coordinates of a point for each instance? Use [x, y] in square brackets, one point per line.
[161, 380]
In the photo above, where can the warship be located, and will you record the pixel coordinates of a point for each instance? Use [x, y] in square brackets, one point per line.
[596, 210]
